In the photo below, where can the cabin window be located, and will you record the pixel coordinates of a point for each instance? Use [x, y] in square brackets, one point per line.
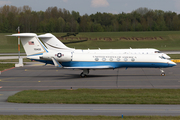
[96, 59]
[162, 57]
[125, 59]
[118, 59]
[103, 59]
[132, 59]
[111, 59]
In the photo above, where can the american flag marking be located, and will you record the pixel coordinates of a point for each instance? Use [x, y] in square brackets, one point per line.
[31, 42]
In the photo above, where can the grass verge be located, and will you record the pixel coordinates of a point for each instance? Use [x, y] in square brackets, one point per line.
[63, 117]
[98, 96]
[174, 56]
[5, 66]
[170, 40]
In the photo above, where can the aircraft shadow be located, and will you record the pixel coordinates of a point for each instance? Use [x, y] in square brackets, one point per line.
[74, 76]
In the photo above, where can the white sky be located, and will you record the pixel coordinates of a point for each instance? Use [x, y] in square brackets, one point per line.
[93, 6]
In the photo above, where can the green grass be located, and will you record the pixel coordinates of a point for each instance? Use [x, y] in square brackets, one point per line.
[174, 56]
[63, 117]
[96, 96]
[171, 41]
[5, 66]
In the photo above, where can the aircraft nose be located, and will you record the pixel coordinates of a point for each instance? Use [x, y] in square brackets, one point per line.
[172, 63]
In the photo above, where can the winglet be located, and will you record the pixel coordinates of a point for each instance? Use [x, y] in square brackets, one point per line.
[56, 63]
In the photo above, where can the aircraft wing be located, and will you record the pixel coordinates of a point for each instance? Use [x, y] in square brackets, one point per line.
[57, 64]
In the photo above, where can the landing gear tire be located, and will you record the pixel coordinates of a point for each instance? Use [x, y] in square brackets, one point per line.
[82, 75]
[163, 74]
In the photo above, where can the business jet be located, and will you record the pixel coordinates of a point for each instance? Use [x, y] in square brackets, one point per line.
[86, 60]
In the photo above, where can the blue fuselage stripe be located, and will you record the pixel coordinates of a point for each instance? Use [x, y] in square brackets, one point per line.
[111, 64]
[116, 64]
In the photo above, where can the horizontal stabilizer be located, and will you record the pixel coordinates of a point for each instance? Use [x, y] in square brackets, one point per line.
[24, 35]
[56, 63]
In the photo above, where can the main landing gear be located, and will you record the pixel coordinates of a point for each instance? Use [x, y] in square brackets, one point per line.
[162, 72]
[84, 73]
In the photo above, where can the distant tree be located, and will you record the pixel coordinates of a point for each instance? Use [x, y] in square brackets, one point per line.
[25, 19]
[84, 26]
[142, 10]
[144, 24]
[126, 25]
[61, 20]
[161, 23]
[176, 23]
[115, 25]
[75, 15]
[61, 24]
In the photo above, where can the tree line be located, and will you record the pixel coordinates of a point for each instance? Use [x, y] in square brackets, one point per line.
[61, 20]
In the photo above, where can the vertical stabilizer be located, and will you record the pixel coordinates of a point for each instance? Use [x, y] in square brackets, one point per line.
[32, 45]
[52, 43]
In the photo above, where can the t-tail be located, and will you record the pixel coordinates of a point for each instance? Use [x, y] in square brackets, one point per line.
[52, 43]
[32, 45]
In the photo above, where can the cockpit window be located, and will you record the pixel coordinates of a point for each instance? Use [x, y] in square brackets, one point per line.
[162, 57]
[158, 52]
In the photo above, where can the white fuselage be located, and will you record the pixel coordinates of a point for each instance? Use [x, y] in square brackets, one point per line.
[109, 58]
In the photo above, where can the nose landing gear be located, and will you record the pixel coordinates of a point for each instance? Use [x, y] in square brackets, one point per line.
[84, 73]
[162, 72]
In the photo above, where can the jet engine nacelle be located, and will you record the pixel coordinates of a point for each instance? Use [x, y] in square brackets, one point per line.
[64, 56]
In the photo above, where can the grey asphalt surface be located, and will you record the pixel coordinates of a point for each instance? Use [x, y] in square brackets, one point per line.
[48, 77]
[84, 109]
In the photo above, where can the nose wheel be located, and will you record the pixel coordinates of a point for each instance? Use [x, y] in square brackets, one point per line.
[84, 73]
[162, 72]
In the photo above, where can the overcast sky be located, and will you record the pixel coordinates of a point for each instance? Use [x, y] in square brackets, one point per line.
[93, 6]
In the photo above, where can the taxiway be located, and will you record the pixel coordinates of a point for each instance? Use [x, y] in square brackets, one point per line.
[41, 77]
